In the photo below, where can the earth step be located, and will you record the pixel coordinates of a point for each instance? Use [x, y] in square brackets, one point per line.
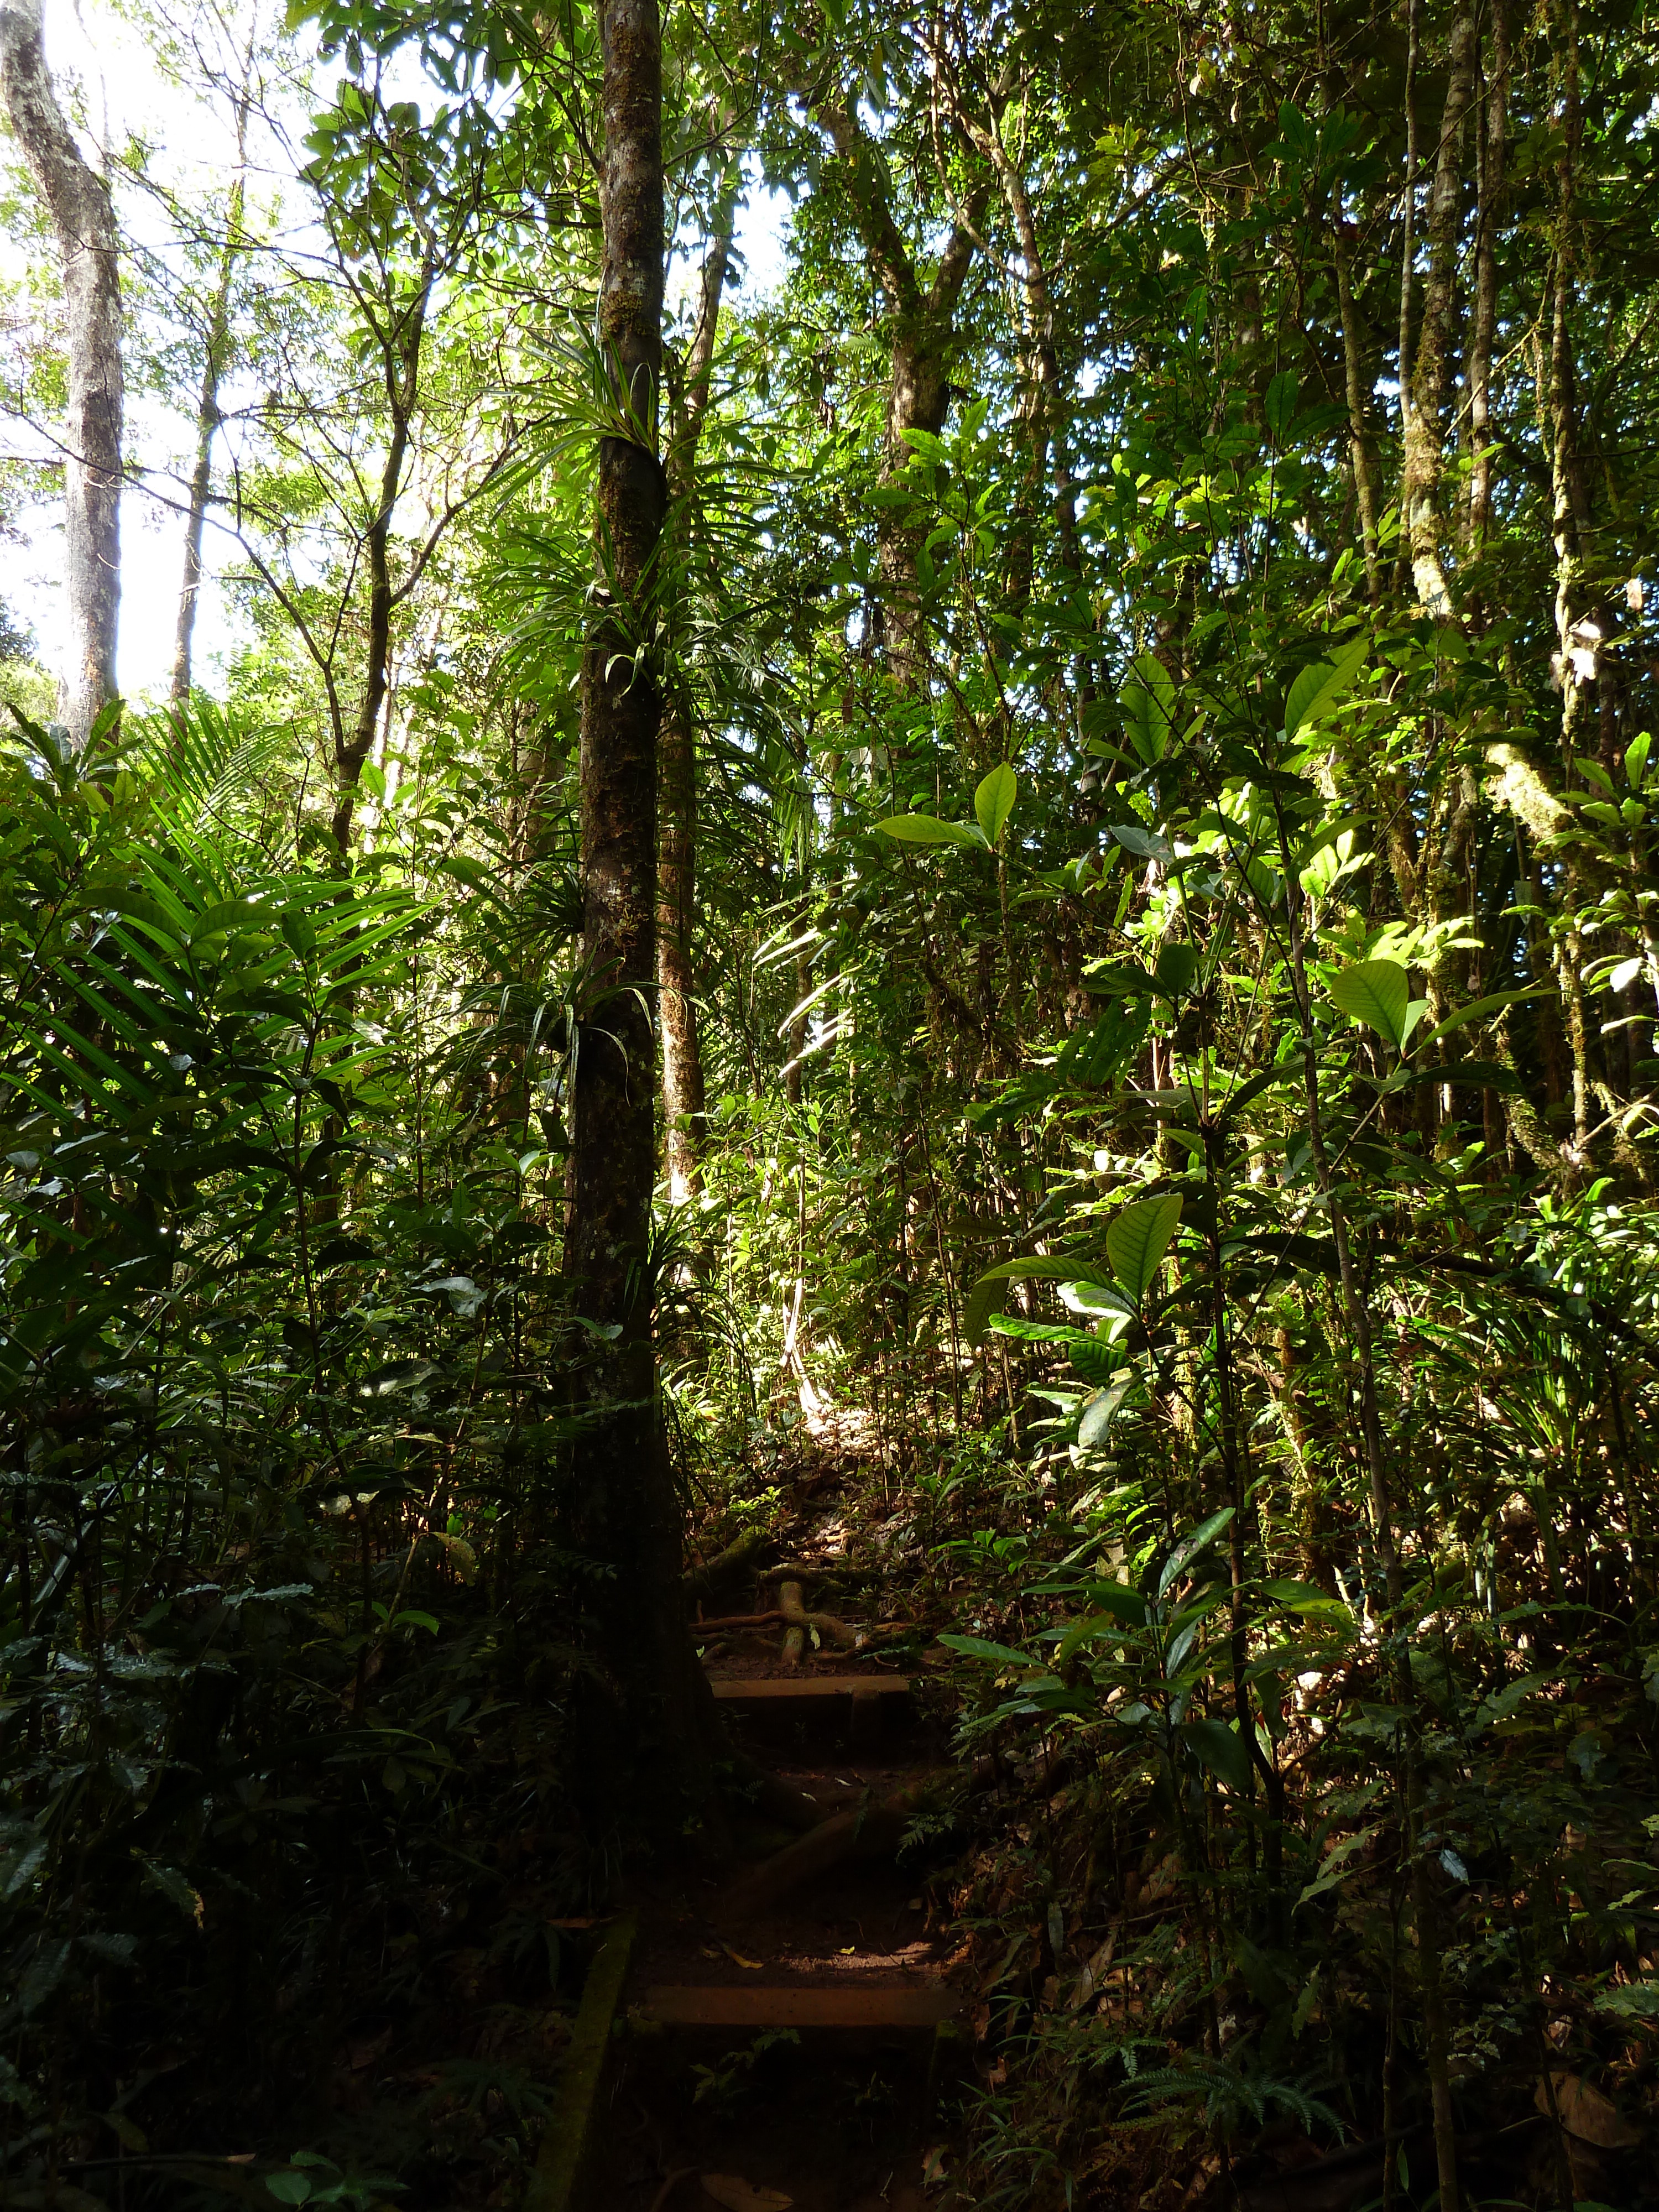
[913, 2005]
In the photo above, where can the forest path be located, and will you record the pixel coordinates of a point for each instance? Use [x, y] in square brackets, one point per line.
[786, 2046]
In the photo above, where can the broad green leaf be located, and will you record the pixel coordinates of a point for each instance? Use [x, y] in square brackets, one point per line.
[1379, 993]
[986, 1296]
[1318, 689]
[993, 802]
[1117, 981]
[1177, 969]
[1303, 1597]
[173, 1887]
[1478, 1009]
[1137, 1239]
[1336, 1867]
[1222, 1749]
[1090, 1629]
[1188, 1549]
[1279, 404]
[1121, 1600]
[1636, 759]
[1145, 844]
[929, 829]
[1098, 1414]
[1630, 2000]
[1148, 701]
[978, 1647]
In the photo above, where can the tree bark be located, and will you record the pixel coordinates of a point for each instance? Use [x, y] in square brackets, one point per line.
[1359, 436]
[215, 354]
[682, 1095]
[919, 395]
[1493, 146]
[1424, 399]
[83, 221]
[400, 347]
[644, 1730]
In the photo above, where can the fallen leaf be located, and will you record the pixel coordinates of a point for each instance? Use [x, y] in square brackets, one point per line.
[1586, 2113]
[737, 1957]
[933, 2166]
[739, 2196]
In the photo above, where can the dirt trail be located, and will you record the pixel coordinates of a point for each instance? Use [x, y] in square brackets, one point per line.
[789, 2049]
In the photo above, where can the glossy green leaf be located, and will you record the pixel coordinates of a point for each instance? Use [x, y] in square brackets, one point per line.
[1137, 1239]
[993, 801]
[1222, 1749]
[1317, 689]
[1196, 1541]
[1379, 993]
[929, 829]
[986, 1295]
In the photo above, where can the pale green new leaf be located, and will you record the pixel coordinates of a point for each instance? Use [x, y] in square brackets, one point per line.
[929, 829]
[1137, 1239]
[986, 1295]
[1318, 689]
[1379, 993]
[1478, 1009]
[993, 802]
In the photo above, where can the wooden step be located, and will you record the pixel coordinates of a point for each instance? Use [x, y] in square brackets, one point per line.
[765, 1689]
[914, 2005]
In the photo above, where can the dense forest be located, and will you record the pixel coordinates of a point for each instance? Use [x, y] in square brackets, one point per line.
[987, 914]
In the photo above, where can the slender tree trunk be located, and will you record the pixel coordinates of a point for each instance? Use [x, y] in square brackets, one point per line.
[1408, 252]
[1493, 145]
[645, 1739]
[401, 354]
[1359, 435]
[1576, 656]
[83, 221]
[1357, 1314]
[1047, 402]
[923, 334]
[683, 1095]
[215, 354]
[1424, 401]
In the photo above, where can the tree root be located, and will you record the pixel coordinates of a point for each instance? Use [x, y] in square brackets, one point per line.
[701, 1582]
[868, 1831]
[825, 1623]
[873, 1829]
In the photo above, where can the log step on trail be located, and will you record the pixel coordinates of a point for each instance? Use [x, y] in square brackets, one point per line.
[772, 1689]
[920, 2006]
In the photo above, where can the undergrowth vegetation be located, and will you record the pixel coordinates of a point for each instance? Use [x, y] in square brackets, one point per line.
[1153, 973]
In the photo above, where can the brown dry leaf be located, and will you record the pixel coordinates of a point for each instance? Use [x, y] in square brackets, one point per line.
[1586, 2113]
[933, 2166]
[739, 2196]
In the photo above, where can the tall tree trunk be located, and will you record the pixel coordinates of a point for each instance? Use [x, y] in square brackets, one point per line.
[1384, 1519]
[644, 1728]
[400, 344]
[1423, 400]
[677, 868]
[1359, 435]
[923, 335]
[83, 221]
[215, 354]
[1493, 146]
[1045, 400]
